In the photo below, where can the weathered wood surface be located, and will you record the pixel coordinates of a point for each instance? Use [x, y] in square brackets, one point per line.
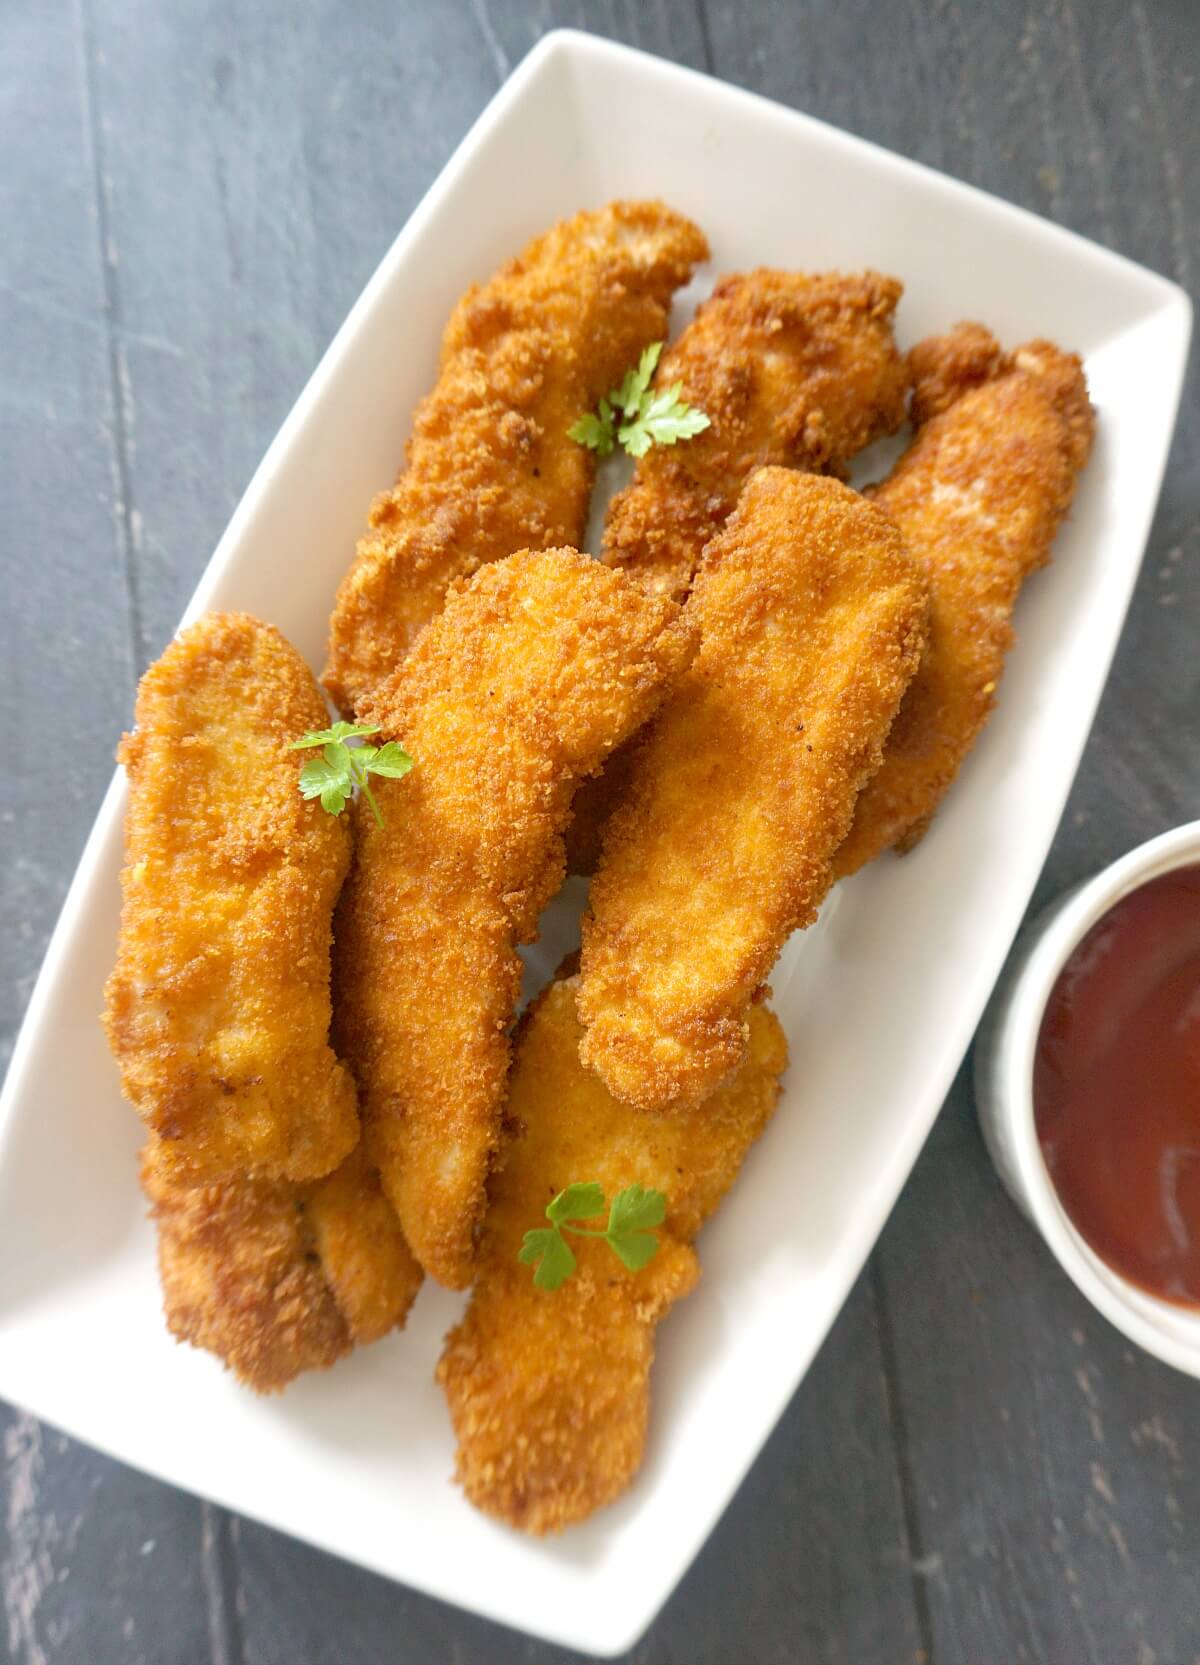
[977, 1469]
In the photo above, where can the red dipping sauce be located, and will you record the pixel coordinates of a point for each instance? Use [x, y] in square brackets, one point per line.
[1116, 1087]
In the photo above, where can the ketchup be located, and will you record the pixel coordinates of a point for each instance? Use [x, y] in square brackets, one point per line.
[1116, 1087]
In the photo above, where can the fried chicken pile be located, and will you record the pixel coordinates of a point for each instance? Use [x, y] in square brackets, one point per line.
[793, 370]
[767, 680]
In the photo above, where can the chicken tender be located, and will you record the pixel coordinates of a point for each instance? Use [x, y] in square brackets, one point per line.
[534, 671]
[218, 1008]
[276, 1278]
[490, 469]
[792, 369]
[811, 620]
[549, 1389]
[978, 498]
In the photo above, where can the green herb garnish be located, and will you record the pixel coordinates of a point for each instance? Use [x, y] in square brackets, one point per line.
[333, 776]
[634, 1212]
[639, 416]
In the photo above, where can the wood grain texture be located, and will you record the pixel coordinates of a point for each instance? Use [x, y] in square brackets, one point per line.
[64, 632]
[976, 1468]
[98, 1563]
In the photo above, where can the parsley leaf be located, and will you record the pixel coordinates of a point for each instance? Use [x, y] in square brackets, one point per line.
[596, 432]
[321, 779]
[391, 761]
[628, 397]
[331, 736]
[636, 1209]
[577, 1202]
[341, 769]
[634, 1212]
[661, 419]
[547, 1251]
[646, 417]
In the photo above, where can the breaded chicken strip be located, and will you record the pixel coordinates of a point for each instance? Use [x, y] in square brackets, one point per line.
[276, 1278]
[978, 498]
[793, 369]
[490, 469]
[549, 1389]
[812, 620]
[533, 672]
[218, 1008]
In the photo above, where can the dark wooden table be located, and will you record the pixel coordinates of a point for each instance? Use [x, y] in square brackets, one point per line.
[977, 1468]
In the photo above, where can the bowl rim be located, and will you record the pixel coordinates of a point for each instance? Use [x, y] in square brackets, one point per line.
[1168, 1331]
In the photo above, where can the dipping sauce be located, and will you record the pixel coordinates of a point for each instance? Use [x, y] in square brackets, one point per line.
[1116, 1087]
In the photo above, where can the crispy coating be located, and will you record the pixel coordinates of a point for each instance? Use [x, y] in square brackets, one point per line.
[535, 669]
[944, 367]
[490, 469]
[549, 1390]
[793, 369]
[276, 1278]
[218, 1008]
[978, 498]
[812, 620]
[367, 1264]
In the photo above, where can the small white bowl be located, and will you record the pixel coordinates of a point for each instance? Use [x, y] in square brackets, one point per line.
[1004, 1054]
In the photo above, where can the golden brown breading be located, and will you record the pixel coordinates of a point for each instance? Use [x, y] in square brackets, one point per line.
[811, 619]
[549, 1389]
[218, 1008]
[367, 1264]
[276, 1278]
[490, 468]
[978, 498]
[793, 369]
[535, 669]
[944, 367]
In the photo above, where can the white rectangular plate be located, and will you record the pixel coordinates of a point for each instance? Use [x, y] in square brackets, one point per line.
[879, 1001]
